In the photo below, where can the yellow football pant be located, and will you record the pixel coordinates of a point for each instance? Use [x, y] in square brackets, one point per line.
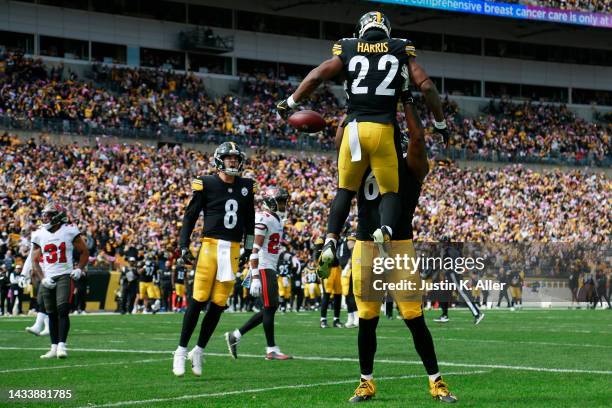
[149, 289]
[179, 289]
[284, 291]
[377, 152]
[371, 309]
[205, 285]
[333, 284]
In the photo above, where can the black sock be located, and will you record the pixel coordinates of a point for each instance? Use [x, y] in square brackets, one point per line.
[423, 343]
[324, 304]
[390, 209]
[351, 305]
[53, 327]
[190, 321]
[268, 325]
[283, 304]
[63, 322]
[253, 322]
[337, 305]
[209, 323]
[366, 341]
[444, 306]
[339, 211]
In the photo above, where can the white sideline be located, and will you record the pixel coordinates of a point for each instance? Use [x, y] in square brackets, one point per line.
[257, 390]
[16, 370]
[346, 359]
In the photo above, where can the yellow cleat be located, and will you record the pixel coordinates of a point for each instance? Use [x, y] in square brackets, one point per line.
[364, 392]
[439, 390]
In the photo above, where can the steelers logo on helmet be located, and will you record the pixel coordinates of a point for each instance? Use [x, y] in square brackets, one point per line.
[373, 20]
[227, 149]
[275, 200]
[53, 214]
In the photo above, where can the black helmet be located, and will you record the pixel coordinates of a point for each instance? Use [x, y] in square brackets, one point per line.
[53, 214]
[273, 197]
[373, 19]
[229, 149]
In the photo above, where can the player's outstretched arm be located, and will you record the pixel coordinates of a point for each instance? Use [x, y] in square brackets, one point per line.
[36, 269]
[327, 70]
[416, 158]
[194, 208]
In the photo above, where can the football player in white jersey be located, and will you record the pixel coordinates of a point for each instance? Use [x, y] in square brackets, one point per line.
[54, 243]
[269, 225]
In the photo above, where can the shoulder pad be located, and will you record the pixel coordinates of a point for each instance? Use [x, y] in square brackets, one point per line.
[197, 184]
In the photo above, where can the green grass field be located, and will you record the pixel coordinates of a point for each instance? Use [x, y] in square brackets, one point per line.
[529, 358]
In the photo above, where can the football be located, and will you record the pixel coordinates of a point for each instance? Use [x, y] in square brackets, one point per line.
[307, 121]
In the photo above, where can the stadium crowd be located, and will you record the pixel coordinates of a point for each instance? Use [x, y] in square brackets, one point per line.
[156, 101]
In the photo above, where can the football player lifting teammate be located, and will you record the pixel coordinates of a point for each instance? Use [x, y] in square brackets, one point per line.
[377, 68]
[227, 201]
[412, 170]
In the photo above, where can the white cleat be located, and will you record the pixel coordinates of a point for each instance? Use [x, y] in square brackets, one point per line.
[61, 352]
[35, 332]
[178, 364]
[195, 355]
[49, 354]
[45, 331]
[441, 319]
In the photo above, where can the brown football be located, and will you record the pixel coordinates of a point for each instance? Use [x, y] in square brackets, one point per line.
[307, 121]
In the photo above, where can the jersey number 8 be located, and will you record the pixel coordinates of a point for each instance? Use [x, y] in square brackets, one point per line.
[231, 214]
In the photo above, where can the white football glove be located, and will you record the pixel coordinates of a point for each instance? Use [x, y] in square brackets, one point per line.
[48, 283]
[76, 274]
[255, 289]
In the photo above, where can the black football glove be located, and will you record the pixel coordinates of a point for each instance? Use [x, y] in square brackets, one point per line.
[244, 258]
[445, 134]
[187, 256]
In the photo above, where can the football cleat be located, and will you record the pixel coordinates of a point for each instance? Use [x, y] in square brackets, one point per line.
[364, 392]
[50, 354]
[195, 355]
[324, 324]
[61, 352]
[178, 363]
[439, 390]
[35, 332]
[441, 319]
[338, 324]
[382, 239]
[478, 318]
[232, 344]
[326, 259]
[277, 355]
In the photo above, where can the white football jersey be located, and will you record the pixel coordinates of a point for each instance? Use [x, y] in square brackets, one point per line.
[271, 227]
[56, 249]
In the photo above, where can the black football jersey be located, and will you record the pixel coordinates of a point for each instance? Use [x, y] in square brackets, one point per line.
[229, 209]
[285, 264]
[148, 273]
[368, 200]
[179, 276]
[375, 73]
[343, 253]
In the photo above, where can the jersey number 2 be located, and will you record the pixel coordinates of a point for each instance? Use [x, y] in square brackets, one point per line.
[273, 243]
[364, 63]
[51, 253]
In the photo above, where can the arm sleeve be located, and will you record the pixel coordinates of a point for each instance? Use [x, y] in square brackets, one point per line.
[249, 219]
[194, 208]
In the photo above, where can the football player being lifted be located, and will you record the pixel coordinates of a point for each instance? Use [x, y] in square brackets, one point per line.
[227, 201]
[54, 243]
[269, 225]
[376, 68]
[413, 167]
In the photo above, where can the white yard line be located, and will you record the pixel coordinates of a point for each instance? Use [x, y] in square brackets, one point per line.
[258, 390]
[54, 367]
[345, 359]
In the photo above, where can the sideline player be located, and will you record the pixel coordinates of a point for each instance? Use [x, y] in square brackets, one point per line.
[269, 225]
[227, 200]
[377, 67]
[54, 243]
